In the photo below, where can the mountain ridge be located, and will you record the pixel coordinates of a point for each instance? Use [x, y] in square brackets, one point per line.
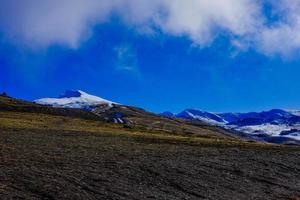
[275, 122]
[275, 125]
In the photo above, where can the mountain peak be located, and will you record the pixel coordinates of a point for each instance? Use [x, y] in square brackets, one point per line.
[74, 99]
[71, 93]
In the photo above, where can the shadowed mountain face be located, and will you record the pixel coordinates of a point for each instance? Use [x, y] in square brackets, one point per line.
[70, 94]
[275, 116]
[63, 153]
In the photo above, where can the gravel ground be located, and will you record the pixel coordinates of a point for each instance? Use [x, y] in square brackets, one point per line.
[66, 165]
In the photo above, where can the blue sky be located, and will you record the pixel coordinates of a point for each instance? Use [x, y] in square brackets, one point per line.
[157, 63]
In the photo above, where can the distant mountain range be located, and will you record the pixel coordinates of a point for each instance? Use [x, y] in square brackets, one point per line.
[274, 116]
[272, 126]
[275, 122]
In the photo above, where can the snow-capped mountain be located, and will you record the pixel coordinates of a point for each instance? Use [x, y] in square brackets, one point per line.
[193, 114]
[275, 116]
[74, 99]
[273, 123]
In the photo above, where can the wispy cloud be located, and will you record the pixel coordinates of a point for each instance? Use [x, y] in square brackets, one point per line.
[69, 22]
[126, 60]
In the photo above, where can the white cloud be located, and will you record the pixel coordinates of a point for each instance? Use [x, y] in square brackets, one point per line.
[43, 23]
[282, 37]
[202, 20]
[47, 22]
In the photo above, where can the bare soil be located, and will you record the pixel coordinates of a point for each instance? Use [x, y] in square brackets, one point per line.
[39, 164]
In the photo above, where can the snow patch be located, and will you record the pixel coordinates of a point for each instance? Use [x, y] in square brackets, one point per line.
[270, 130]
[294, 112]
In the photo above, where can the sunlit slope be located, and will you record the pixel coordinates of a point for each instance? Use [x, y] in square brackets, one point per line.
[22, 114]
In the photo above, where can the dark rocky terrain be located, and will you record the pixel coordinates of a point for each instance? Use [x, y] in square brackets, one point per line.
[55, 154]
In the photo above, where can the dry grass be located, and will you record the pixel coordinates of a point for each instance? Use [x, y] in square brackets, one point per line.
[49, 123]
